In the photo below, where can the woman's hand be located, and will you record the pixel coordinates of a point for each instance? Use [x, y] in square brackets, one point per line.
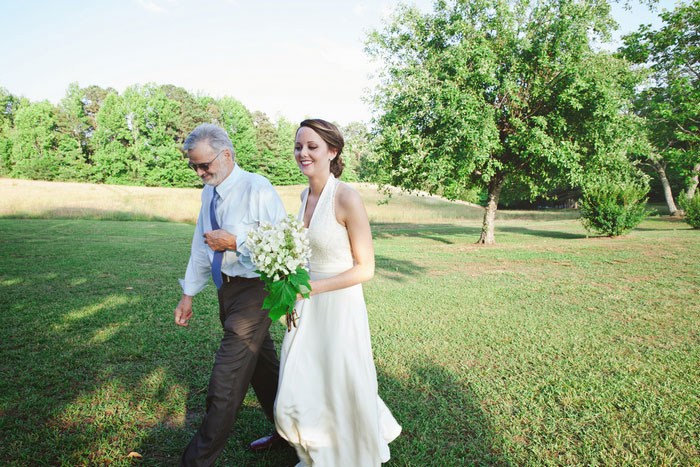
[301, 297]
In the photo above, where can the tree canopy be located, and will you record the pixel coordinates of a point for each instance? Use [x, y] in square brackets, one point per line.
[477, 92]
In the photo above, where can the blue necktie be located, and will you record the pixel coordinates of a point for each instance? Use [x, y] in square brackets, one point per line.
[218, 255]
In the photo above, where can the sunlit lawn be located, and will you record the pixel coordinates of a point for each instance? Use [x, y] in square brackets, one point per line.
[549, 348]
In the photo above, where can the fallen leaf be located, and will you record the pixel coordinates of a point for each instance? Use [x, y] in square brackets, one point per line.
[135, 455]
[129, 288]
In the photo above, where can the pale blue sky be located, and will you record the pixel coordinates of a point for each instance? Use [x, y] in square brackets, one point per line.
[291, 58]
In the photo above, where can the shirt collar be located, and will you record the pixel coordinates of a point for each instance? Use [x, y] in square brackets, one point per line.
[226, 187]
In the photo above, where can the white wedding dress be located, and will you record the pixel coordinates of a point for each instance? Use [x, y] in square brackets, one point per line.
[327, 404]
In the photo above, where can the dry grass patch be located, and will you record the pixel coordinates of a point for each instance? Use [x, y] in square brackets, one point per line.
[60, 200]
[41, 199]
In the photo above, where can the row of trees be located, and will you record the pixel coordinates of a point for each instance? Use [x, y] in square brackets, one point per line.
[100, 135]
[514, 94]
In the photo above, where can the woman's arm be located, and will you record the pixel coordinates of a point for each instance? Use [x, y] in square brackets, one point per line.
[350, 211]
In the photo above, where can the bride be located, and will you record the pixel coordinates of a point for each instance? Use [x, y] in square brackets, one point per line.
[327, 405]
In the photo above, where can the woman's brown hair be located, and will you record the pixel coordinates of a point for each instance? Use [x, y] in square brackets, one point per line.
[333, 138]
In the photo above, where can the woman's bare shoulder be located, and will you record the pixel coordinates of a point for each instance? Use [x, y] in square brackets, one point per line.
[349, 205]
[346, 196]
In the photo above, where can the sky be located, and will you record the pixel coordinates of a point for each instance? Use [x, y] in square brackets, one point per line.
[287, 58]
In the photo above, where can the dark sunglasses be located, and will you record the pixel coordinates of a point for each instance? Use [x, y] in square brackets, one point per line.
[205, 165]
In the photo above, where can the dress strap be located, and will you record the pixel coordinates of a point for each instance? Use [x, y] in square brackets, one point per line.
[334, 187]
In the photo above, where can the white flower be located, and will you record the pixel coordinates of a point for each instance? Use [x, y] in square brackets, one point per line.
[277, 250]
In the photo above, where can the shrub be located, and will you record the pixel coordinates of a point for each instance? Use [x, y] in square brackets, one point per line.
[613, 209]
[692, 210]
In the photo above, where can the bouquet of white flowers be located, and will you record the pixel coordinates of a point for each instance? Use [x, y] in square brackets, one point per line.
[280, 252]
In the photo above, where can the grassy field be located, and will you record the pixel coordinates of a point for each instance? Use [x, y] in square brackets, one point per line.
[64, 200]
[551, 348]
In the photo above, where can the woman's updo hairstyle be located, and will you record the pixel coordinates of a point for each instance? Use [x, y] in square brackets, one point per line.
[333, 138]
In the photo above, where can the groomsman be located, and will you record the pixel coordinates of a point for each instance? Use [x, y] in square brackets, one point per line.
[233, 202]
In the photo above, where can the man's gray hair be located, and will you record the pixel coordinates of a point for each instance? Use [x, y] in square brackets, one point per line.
[212, 134]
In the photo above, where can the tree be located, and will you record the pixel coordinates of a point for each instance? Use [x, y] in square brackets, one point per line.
[74, 131]
[480, 91]
[159, 161]
[670, 103]
[113, 138]
[138, 138]
[357, 148]
[237, 121]
[9, 104]
[266, 145]
[286, 170]
[35, 141]
[192, 111]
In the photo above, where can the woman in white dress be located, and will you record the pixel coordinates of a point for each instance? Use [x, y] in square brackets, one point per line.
[327, 405]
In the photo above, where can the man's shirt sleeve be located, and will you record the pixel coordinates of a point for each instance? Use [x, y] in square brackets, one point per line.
[267, 207]
[199, 266]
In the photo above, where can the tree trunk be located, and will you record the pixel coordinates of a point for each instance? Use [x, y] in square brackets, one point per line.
[694, 179]
[494, 192]
[661, 170]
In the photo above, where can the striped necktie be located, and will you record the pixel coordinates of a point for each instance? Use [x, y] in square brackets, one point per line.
[218, 255]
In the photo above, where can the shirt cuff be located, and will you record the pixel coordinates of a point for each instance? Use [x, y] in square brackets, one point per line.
[190, 288]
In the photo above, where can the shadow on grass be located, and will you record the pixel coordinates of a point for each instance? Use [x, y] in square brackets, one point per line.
[93, 366]
[435, 232]
[442, 422]
[537, 214]
[679, 224]
[442, 232]
[540, 233]
[396, 269]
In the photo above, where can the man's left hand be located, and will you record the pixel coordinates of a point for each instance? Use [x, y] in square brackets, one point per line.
[220, 240]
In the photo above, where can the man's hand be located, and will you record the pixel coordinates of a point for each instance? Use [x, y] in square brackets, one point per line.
[220, 240]
[183, 310]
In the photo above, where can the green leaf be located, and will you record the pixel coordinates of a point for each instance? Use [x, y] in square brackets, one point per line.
[281, 297]
[302, 274]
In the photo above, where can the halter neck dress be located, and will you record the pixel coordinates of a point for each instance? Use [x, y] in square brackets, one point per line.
[327, 404]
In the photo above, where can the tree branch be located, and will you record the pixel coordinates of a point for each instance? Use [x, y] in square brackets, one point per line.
[692, 70]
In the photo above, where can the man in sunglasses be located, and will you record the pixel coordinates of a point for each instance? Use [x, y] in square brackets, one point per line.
[233, 202]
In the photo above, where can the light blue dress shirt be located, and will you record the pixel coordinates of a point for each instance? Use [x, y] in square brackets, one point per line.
[246, 200]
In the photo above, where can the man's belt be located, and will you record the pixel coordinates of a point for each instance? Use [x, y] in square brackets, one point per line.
[227, 278]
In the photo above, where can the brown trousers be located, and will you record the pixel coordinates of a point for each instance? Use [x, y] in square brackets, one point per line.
[246, 355]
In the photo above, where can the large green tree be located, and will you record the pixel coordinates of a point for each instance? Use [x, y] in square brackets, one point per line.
[670, 103]
[232, 115]
[77, 116]
[357, 148]
[266, 144]
[477, 92]
[9, 105]
[139, 136]
[287, 171]
[35, 142]
[191, 112]
[113, 138]
[155, 118]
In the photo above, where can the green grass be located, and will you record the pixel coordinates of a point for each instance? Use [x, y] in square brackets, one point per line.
[550, 348]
